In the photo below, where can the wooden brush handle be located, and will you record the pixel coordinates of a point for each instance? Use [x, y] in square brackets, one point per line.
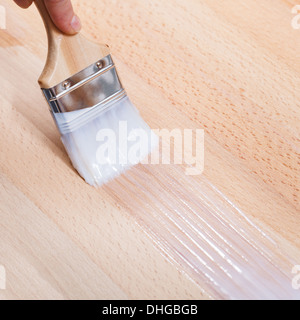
[67, 54]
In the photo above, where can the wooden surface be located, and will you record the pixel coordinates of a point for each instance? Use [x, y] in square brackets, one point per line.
[232, 69]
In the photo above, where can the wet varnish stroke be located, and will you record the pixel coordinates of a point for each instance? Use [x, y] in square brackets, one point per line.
[205, 234]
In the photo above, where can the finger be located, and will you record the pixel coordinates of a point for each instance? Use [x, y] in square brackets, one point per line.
[24, 3]
[62, 14]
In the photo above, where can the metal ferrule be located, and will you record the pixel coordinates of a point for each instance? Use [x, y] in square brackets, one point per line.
[95, 86]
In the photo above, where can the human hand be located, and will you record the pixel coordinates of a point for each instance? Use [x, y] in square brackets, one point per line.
[61, 13]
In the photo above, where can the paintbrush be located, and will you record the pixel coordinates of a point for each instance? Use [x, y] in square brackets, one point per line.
[103, 133]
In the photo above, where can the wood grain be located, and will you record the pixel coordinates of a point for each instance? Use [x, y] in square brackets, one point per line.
[232, 69]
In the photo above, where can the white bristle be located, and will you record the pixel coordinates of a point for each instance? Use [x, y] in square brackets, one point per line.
[102, 145]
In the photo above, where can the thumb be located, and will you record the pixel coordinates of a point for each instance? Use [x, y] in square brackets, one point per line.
[62, 14]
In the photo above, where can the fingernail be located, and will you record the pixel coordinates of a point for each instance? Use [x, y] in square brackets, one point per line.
[76, 24]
